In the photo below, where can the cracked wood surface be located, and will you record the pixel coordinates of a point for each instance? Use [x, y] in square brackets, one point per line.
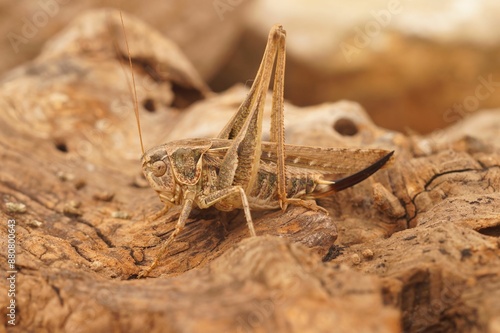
[414, 248]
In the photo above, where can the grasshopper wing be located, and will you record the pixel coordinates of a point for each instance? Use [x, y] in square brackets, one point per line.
[358, 164]
[332, 161]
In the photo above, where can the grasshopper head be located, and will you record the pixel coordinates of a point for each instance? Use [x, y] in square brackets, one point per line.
[172, 167]
[158, 171]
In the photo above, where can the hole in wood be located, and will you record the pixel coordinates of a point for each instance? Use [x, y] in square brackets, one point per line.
[61, 146]
[345, 127]
[490, 231]
[149, 104]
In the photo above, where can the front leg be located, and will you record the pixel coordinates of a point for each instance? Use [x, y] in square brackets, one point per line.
[160, 213]
[181, 222]
[212, 198]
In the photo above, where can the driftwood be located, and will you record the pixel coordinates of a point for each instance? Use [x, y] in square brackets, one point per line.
[414, 248]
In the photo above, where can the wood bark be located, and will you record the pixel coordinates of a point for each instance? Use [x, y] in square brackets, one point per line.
[414, 248]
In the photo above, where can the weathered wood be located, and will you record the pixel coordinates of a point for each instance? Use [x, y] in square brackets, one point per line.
[414, 248]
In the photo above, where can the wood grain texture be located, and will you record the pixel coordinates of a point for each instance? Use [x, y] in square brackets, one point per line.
[414, 248]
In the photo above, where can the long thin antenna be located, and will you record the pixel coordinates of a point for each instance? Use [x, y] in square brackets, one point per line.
[136, 104]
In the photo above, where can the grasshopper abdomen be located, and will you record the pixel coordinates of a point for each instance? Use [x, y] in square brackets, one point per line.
[303, 184]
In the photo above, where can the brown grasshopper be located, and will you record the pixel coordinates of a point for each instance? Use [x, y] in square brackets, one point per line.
[237, 170]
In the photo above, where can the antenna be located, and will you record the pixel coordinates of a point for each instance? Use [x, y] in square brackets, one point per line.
[136, 105]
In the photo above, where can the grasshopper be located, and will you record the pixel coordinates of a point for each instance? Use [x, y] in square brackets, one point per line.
[237, 170]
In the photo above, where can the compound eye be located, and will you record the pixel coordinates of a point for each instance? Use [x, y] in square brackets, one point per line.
[158, 168]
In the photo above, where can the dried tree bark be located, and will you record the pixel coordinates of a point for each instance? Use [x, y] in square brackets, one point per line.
[414, 248]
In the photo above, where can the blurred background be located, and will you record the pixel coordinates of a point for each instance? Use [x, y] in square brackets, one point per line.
[413, 65]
